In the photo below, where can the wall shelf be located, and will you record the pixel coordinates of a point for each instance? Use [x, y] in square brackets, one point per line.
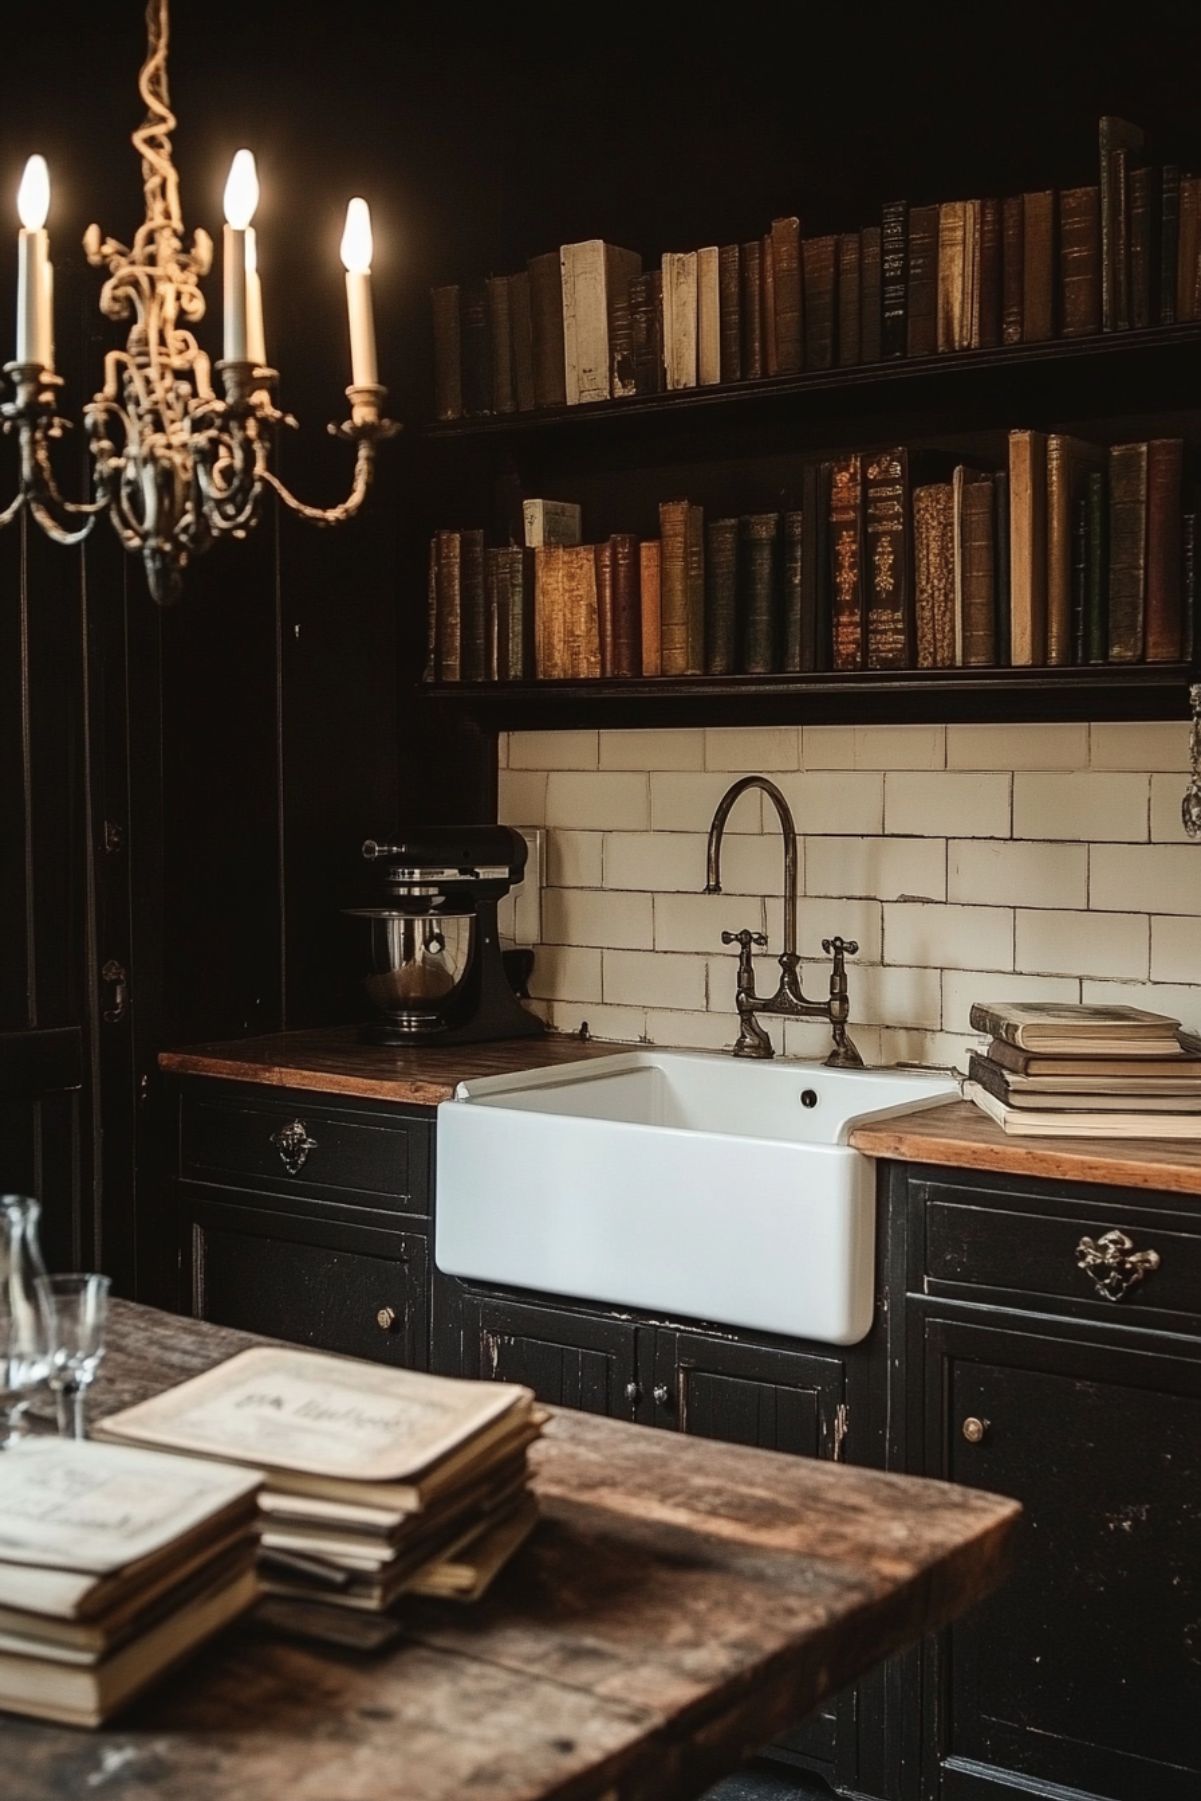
[944, 696]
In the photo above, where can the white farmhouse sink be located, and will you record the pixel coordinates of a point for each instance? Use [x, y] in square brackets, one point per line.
[675, 1181]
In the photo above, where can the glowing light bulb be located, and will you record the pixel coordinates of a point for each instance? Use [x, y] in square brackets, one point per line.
[241, 190]
[33, 195]
[358, 245]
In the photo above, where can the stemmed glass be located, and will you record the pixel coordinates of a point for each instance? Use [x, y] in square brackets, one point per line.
[25, 1325]
[78, 1306]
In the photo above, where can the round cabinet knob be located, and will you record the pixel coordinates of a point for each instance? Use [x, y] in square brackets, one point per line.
[662, 1395]
[633, 1393]
[385, 1319]
[974, 1430]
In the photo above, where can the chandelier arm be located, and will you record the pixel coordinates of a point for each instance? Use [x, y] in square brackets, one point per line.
[364, 469]
[10, 512]
[61, 534]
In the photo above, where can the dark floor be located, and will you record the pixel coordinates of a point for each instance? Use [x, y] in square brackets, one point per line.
[759, 1784]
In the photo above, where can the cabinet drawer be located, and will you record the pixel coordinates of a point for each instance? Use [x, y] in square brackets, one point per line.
[310, 1150]
[1092, 1257]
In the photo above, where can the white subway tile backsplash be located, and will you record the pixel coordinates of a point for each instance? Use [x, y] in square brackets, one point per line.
[613, 921]
[622, 1025]
[1167, 823]
[888, 868]
[1177, 1000]
[935, 1050]
[695, 1031]
[502, 750]
[656, 862]
[758, 750]
[1081, 944]
[1017, 874]
[883, 995]
[695, 922]
[1082, 805]
[521, 796]
[553, 750]
[650, 979]
[1176, 949]
[1154, 878]
[962, 988]
[652, 750]
[1017, 747]
[600, 800]
[873, 747]
[1161, 744]
[574, 859]
[851, 802]
[828, 916]
[564, 972]
[955, 804]
[947, 937]
[686, 803]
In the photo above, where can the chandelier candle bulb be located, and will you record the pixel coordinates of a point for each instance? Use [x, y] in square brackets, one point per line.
[241, 199]
[35, 340]
[357, 247]
[256, 337]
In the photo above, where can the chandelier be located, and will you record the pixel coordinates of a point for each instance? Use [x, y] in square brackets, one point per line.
[176, 465]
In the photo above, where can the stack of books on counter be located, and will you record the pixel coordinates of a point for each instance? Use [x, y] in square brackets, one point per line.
[377, 1482]
[115, 1564]
[1055, 1070]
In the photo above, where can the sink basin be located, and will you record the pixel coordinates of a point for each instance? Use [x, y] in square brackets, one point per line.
[674, 1181]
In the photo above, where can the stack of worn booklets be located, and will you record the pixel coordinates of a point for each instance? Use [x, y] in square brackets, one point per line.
[1060, 1071]
[377, 1482]
[115, 1564]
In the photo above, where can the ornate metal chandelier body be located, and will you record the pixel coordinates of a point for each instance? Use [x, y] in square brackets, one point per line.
[176, 465]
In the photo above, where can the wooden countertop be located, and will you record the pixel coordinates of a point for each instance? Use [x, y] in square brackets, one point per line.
[959, 1136]
[680, 1602]
[332, 1060]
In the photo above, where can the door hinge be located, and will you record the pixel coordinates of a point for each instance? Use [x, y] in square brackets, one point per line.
[842, 1419]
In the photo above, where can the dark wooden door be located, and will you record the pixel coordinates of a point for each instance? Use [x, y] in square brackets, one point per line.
[568, 1357]
[1085, 1668]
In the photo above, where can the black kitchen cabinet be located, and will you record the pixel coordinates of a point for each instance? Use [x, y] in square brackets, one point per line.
[745, 1394]
[569, 1356]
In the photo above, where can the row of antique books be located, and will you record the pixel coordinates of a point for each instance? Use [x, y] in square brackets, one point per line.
[1074, 553]
[588, 322]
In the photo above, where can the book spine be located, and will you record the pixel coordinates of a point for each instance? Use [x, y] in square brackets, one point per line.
[450, 606]
[752, 309]
[646, 332]
[846, 555]
[888, 554]
[969, 321]
[673, 531]
[1186, 255]
[760, 533]
[448, 353]
[1096, 605]
[585, 322]
[1165, 471]
[500, 332]
[933, 572]
[1119, 178]
[818, 259]
[1012, 273]
[708, 318]
[767, 283]
[1169, 239]
[520, 613]
[1142, 246]
[429, 671]
[622, 377]
[950, 274]
[477, 350]
[850, 299]
[815, 567]
[694, 591]
[729, 284]
[475, 618]
[549, 622]
[648, 568]
[721, 588]
[976, 540]
[1127, 551]
[925, 252]
[680, 318]
[582, 612]
[606, 625]
[1079, 580]
[627, 622]
[870, 320]
[1002, 636]
[1038, 266]
[894, 269]
[520, 322]
[495, 627]
[1028, 547]
[546, 318]
[990, 273]
[1188, 558]
[792, 584]
[1059, 549]
[786, 276]
[1080, 260]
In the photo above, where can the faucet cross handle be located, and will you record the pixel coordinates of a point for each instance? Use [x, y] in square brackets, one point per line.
[840, 947]
[746, 939]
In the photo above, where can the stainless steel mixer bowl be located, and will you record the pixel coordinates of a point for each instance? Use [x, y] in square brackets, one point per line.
[416, 962]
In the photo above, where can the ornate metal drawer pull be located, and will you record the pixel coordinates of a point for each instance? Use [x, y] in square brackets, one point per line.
[1114, 1264]
[293, 1144]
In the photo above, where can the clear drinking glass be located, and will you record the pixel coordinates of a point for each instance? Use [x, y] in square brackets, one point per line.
[78, 1306]
[25, 1324]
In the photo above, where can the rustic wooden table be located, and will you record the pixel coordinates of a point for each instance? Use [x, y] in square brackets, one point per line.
[680, 1602]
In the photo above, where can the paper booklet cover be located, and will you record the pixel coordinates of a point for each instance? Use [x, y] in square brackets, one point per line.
[325, 1416]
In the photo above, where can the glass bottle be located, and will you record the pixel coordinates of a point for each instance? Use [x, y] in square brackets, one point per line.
[26, 1325]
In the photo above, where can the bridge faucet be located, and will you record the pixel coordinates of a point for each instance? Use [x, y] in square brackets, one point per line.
[789, 999]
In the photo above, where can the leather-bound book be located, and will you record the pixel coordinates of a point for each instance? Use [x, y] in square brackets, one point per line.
[521, 326]
[1127, 551]
[1096, 605]
[646, 332]
[1144, 248]
[649, 573]
[546, 316]
[934, 575]
[1003, 633]
[786, 275]
[519, 663]
[767, 285]
[869, 294]
[729, 289]
[581, 611]
[752, 309]
[850, 299]
[682, 590]
[846, 561]
[1079, 580]
[429, 672]
[475, 616]
[1188, 237]
[596, 275]
[603, 554]
[760, 536]
[888, 560]
[818, 261]
[1120, 147]
[694, 590]
[952, 251]
[1080, 260]
[708, 317]
[721, 596]
[1069, 461]
[626, 610]
[816, 645]
[792, 584]
[450, 606]
[1165, 473]
[680, 318]
[1169, 241]
[477, 350]
[550, 618]
[496, 630]
[922, 325]
[894, 277]
[448, 353]
[500, 332]
[1189, 564]
[978, 565]
[1012, 272]
[990, 273]
[1038, 265]
[1028, 548]
[622, 378]
[1119, 201]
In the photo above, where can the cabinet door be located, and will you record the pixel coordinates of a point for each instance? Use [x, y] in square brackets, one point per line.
[570, 1358]
[349, 1289]
[773, 1399]
[1085, 1668]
